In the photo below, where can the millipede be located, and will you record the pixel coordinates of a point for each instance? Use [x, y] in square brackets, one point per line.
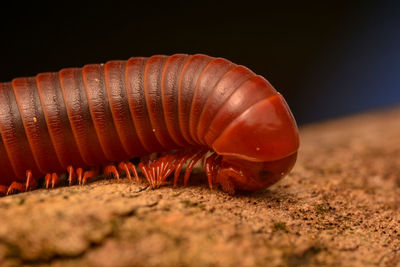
[171, 112]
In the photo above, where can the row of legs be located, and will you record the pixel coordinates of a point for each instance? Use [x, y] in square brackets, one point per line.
[155, 168]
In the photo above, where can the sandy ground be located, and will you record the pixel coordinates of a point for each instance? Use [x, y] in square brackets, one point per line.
[340, 206]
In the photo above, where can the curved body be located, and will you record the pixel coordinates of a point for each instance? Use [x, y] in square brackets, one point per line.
[112, 112]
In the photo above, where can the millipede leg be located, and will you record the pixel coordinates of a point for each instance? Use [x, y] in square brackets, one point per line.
[124, 167]
[55, 180]
[84, 176]
[31, 183]
[191, 164]
[179, 166]
[167, 166]
[79, 173]
[15, 187]
[111, 170]
[157, 170]
[209, 172]
[47, 180]
[132, 168]
[51, 179]
[147, 173]
[212, 166]
[3, 190]
[71, 175]
[210, 169]
[89, 174]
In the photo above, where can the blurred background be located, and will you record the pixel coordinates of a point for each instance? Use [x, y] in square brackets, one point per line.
[328, 60]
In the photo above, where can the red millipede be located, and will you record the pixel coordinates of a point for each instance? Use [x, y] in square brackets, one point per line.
[171, 111]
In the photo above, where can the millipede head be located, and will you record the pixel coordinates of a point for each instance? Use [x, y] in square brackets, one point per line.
[239, 174]
[259, 147]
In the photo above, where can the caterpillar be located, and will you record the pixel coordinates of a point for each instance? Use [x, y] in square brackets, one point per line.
[169, 111]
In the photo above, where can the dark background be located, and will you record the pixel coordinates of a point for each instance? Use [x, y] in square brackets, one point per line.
[328, 60]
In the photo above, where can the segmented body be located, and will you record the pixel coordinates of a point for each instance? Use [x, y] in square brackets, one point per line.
[108, 113]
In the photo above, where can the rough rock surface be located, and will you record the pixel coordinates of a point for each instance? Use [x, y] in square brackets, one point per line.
[339, 207]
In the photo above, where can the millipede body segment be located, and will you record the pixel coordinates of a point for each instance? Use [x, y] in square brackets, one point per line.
[171, 111]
